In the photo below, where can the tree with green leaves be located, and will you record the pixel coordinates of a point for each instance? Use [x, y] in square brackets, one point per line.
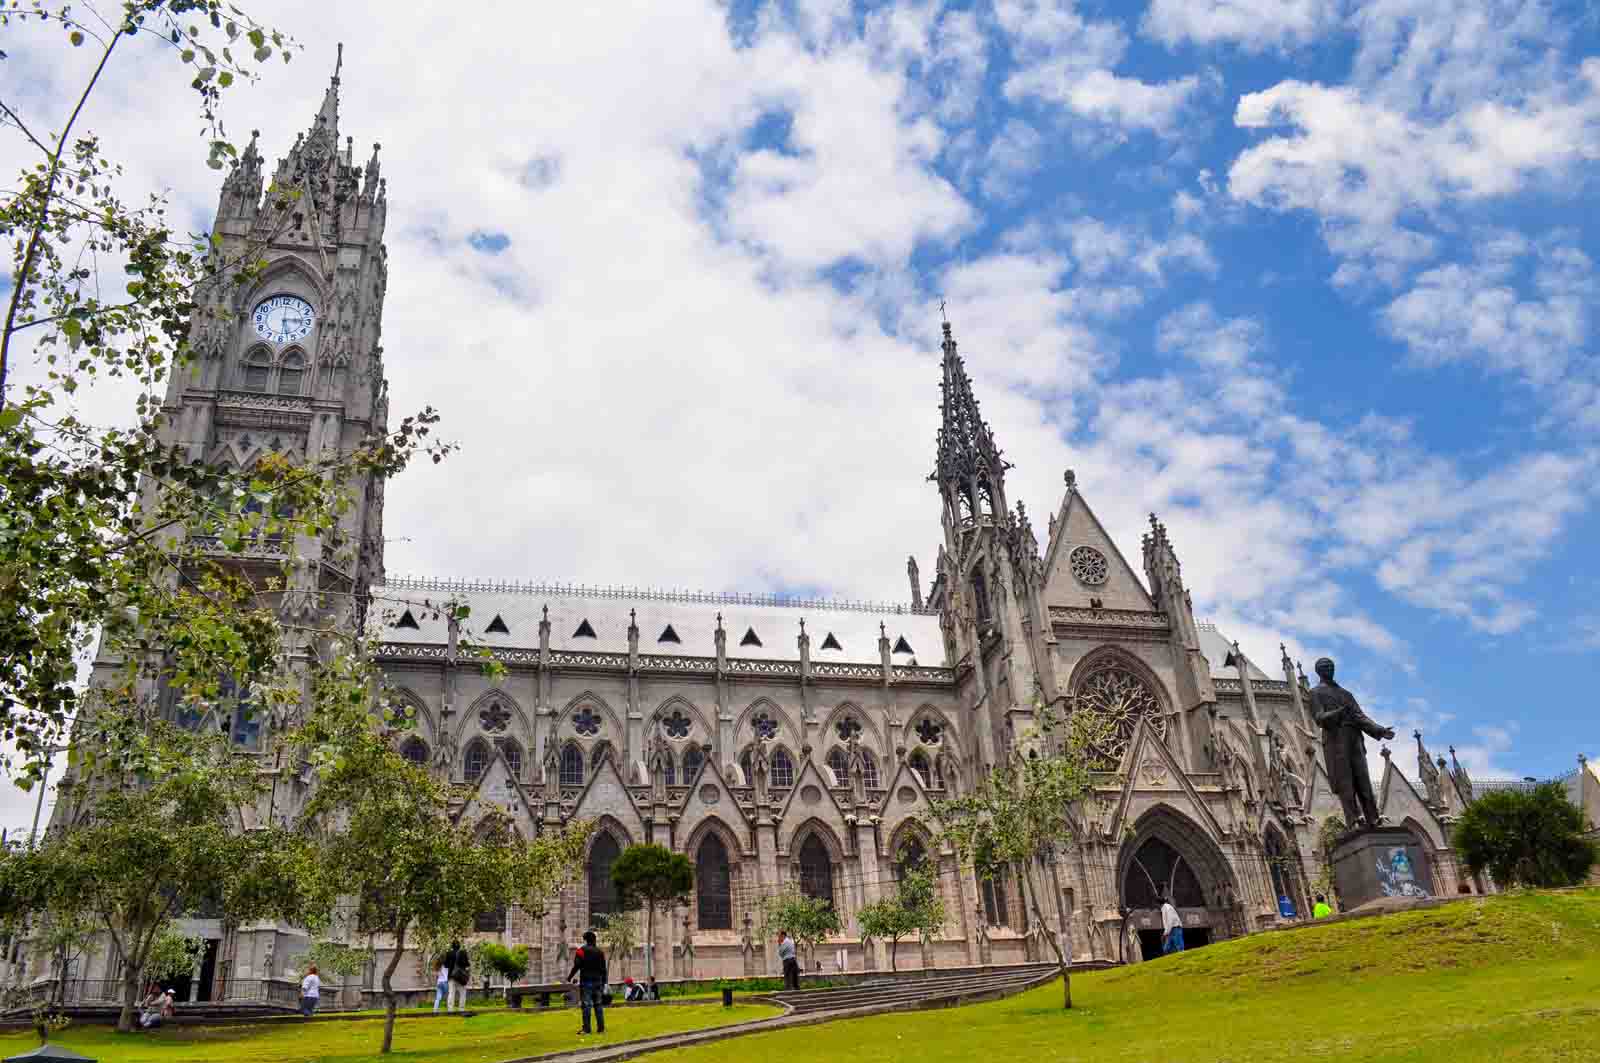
[1526, 838]
[652, 878]
[915, 907]
[619, 936]
[387, 839]
[136, 849]
[1019, 815]
[809, 920]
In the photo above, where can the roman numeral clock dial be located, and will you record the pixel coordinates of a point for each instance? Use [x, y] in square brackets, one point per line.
[283, 319]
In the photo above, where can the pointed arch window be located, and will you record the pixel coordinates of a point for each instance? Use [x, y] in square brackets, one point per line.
[918, 762]
[911, 856]
[572, 766]
[245, 726]
[415, 750]
[996, 910]
[603, 900]
[816, 870]
[713, 885]
[693, 758]
[513, 754]
[746, 766]
[291, 375]
[477, 760]
[782, 777]
[869, 770]
[602, 752]
[256, 371]
[840, 765]
[669, 770]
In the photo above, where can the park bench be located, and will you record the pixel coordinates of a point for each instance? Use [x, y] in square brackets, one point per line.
[515, 993]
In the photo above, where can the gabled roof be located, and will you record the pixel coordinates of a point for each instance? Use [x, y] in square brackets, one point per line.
[1076, 525]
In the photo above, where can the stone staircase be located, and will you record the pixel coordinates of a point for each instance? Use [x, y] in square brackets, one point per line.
[916, 990]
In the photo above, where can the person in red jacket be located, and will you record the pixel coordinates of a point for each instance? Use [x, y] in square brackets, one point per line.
[589, 966]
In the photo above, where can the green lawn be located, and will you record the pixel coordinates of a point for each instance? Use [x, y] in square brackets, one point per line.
[1505, 979]
[485, 1038]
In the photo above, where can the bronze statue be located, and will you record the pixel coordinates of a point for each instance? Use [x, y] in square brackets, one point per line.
[1343, 723]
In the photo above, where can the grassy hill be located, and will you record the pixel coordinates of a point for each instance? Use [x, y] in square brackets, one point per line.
[1503, 979]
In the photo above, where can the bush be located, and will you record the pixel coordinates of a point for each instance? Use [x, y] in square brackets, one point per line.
[1526, 838]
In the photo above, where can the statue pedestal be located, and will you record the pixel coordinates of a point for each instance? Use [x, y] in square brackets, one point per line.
[1380, 862]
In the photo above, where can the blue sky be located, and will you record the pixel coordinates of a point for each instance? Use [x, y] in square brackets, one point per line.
[1311, 278]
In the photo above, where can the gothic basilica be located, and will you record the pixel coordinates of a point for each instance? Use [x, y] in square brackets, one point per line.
[777, 741]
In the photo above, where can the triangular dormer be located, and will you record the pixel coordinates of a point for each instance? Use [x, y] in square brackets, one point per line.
[1083, 563]
[901, 645]
[584, 631]
[668, 635]
[497, 626]
[408, 621]
[831, 643]
[750, 638]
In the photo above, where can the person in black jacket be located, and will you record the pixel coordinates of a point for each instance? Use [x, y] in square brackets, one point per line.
[459, 961]
[589, 965]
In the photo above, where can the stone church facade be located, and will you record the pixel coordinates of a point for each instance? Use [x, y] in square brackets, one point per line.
[776, 742]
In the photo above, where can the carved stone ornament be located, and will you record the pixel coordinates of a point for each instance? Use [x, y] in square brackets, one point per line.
[494, 718]
[710, 794]
[1121, 699]
[1089, 566]
[810, 795]
[765, 726]
[586, 721]
[676, 725]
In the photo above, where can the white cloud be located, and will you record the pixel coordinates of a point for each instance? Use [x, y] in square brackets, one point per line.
[1254, 25]
[1067, 59]
[1012, 157]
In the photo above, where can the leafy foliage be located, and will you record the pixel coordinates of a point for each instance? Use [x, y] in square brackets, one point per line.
[172, 956]
[809, 920]
[915, 907]
[334, 957]
[510, 964]
[1526, 838]
[1021, 813]
[619, 936]
[136, 850]
[652, 877]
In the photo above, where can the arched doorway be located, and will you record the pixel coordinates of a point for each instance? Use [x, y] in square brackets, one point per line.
[1169, 855]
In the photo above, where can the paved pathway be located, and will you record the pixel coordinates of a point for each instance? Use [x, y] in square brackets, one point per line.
[808, 1007]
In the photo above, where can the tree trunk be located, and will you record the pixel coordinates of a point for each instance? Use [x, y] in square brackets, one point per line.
[1031, 899]
[130, 999]
[894, 953]
[650, 942]
[391, 1002]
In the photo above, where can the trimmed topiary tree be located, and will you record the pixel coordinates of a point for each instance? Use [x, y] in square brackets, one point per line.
[1526, 838]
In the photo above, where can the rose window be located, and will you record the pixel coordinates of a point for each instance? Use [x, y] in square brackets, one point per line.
[929, 732]
[765, 726]
[676, 725]
[494, 718]
[848, 728]
[1088, 565]
[1120, 700]
[586, 721]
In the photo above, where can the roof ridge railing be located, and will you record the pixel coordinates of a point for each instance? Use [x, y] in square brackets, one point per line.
[654, 594]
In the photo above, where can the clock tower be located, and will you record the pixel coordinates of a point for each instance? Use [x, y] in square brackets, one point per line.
[288, 361]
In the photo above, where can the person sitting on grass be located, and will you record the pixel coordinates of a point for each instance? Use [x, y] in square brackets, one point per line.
[652, 991]
[632, 990]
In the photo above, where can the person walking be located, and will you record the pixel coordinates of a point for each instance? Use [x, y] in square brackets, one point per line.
[589, 966]
[791, 966]
[310, 991]
[459, 963]
[441, 985]
[1321, 910]
[1171, 928]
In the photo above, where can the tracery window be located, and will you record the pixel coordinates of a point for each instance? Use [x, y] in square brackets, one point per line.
[869, 770]
[1088, 565]
[692, 759]
[602, 891]
[816, 870]
[477, 759]
[911, 856]
[764, 726]
[513, 754]
[840, 765]
[929, 731]
[1121, 699]
[676, 725]
[586, 721]
[918, 763]
[669, 769]
[292, 374]
[782, 776]
[713, 885]
[848, 727]
[996, 909]
[415, 750]
[602, 752]
[572, 765]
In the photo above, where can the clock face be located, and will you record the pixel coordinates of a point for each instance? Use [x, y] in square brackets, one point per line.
[283, 319]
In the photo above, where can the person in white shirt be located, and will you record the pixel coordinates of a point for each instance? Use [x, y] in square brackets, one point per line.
[791, 966]
[441, 986]
[1171, 928]
[310, 990]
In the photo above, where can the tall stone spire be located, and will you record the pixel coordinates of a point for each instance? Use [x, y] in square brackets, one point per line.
[328, 117]
[968, 466]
